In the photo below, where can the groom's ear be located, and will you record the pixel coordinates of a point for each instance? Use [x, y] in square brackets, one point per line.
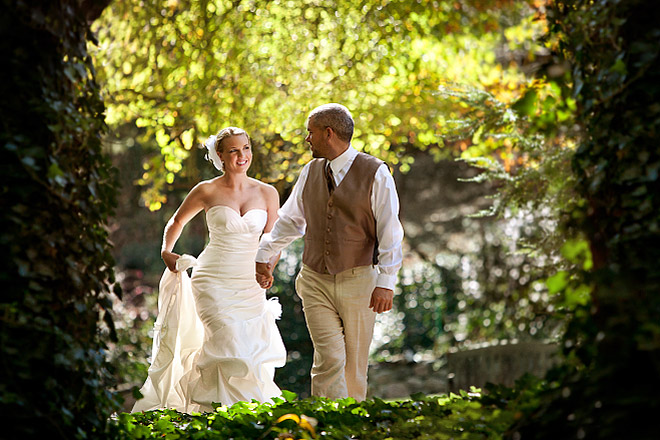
[329, 132]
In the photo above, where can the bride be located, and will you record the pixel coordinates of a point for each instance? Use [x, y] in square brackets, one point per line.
[215, 338]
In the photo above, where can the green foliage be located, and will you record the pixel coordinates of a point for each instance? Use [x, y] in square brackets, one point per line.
[129, 353]
[294, 375]
[418, 313]
[468, 415]
[438, 306]
[606, 58]
[57, 192]
[480, 278]
[583, 148]
[182, 69]
[520, 259]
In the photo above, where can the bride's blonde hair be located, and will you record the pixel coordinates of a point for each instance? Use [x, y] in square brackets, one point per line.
[229, 132]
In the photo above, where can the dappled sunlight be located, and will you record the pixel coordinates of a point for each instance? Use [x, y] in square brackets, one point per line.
[182, 70]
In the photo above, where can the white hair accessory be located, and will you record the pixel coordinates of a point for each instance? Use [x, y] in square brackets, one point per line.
[211, 152]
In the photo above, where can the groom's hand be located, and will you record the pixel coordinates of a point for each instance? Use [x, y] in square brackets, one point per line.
[264, 275]
[381, 300]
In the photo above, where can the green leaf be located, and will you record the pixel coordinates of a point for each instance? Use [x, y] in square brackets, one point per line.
[527, 104]
[418, 396]
[557, 282]
[289, 396]
[578, 251]
[579, 295]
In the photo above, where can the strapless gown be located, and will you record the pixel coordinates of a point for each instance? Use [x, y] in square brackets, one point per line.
[215, 339]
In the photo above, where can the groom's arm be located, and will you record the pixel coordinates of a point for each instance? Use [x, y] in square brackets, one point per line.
[289, 226]
[385, 206]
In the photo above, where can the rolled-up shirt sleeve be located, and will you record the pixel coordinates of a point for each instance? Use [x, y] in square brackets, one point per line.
[385, 206]
[290, 224]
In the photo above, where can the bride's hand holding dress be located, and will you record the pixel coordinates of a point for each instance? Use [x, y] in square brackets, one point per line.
[222, 344]
[170, 258]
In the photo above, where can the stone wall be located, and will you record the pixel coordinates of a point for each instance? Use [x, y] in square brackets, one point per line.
[499, 364]
[391, 380]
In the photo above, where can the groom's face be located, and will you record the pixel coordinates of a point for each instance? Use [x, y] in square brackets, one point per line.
[316, 139]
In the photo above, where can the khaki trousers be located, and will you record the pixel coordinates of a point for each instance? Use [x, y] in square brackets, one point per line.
[341, 326]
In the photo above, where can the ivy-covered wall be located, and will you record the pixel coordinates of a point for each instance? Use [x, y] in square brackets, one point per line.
[608, 388]
[57, 190]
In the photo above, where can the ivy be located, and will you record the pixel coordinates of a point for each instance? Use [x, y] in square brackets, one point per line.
[58, 189]
[605, 62]
[467, 415]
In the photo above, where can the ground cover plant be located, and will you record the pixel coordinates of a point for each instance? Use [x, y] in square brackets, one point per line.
[468, 415]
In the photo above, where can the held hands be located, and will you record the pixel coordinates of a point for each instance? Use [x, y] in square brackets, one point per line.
[381, 300]
[264, 274]
[170, 260]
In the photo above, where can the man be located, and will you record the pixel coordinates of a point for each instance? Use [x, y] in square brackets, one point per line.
[346, 205]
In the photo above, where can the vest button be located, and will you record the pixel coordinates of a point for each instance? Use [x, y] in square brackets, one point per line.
[327, 252]
[328, 230]
[330, 203]
[329, 216]
[327, 242]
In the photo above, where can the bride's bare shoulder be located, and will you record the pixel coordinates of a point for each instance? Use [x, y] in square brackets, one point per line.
[265, 188]
[209, 184]
[206, 187]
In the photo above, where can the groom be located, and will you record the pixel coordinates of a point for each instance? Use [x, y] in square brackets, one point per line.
[346, 205]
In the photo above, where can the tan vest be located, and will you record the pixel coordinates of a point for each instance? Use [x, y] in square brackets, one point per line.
[341, 229]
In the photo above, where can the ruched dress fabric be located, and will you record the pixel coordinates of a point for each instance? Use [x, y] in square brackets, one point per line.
[235, 355]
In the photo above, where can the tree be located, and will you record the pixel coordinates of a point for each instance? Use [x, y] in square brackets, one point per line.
[57, 191]
[183, 69]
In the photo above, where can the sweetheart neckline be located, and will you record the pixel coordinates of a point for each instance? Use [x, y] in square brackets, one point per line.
[235, 211]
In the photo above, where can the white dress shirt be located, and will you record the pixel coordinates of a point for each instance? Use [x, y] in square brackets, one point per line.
[291, 223]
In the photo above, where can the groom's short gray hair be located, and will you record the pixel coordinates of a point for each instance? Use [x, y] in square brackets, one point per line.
[335, 116]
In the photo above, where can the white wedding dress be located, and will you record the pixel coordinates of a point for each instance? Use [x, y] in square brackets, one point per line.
[215, 338]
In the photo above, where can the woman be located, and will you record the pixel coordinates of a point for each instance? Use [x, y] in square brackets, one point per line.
[241, 346]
